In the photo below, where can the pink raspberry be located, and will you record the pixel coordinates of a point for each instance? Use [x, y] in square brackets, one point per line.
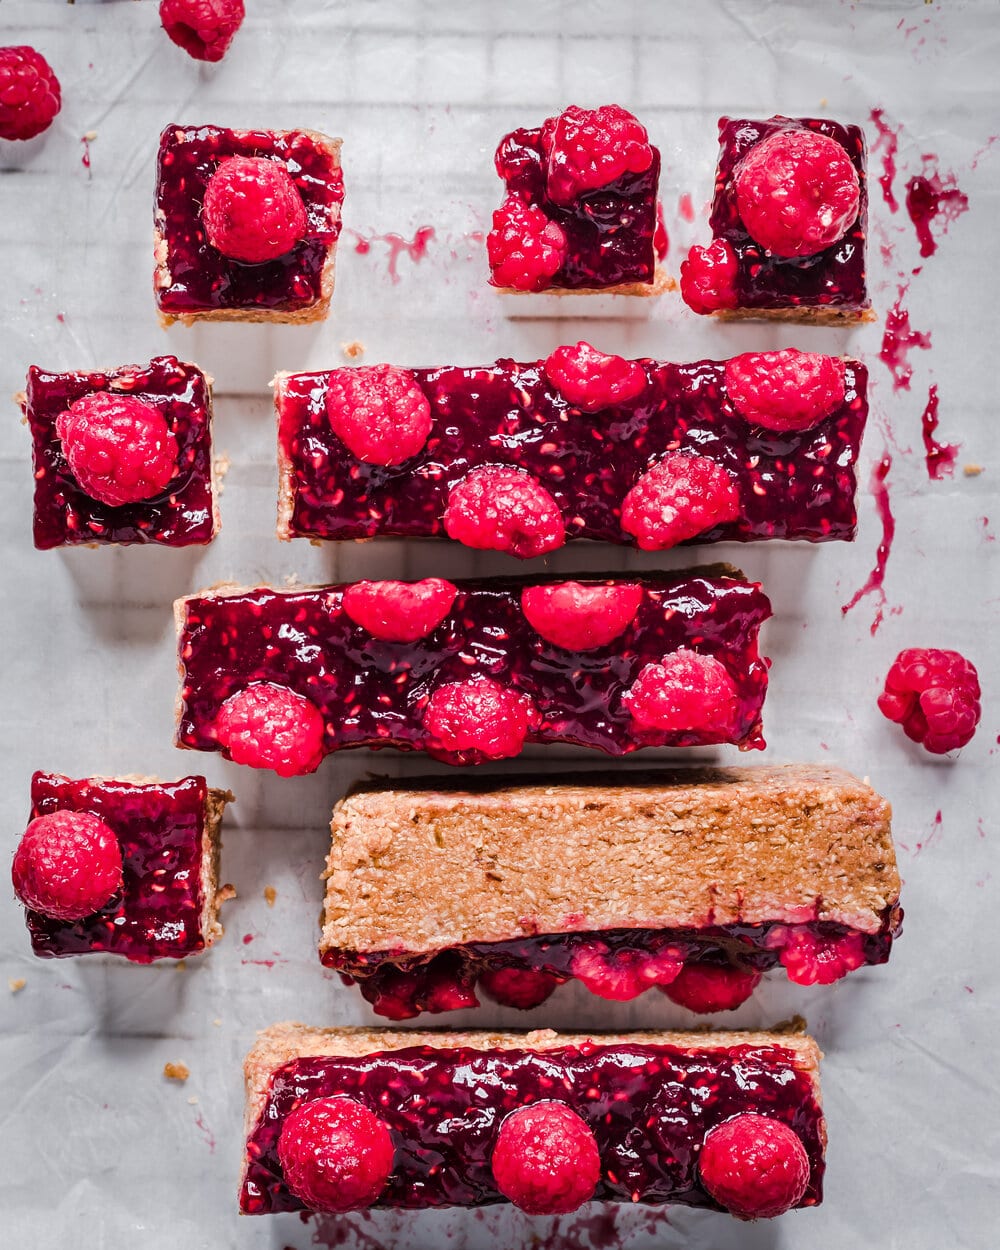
[591, 380]
[399, 611]
[708, 278]
[378, 412]
[586, 149]
[335, 1154]
[797, 192]
[119, 449]
[517, 987]
[252, 210]
[934, 695]
[679, 498]
[581, 618]
[203, 28]
[478, 719]
[269, 726]
[685, 693]
[707, 988]
[501, 509]
[785, 390]
[524, 248]
[29, 93]
[813, 960]
[67, 865]
[754, 1166]
[624, 974]
[545, 1159]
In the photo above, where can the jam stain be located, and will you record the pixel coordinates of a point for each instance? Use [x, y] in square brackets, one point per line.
[888, 144]
[932, 197]
[899, 340]
[415, 248]
[685, 206]
[940, 457]
[876, 578]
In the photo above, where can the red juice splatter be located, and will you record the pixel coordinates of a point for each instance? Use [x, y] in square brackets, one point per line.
[415, 248]
[206, 1133]
[933, 197]
[981, 152]
[898, 341]
[888, 144]
[876, 578]
[85, 159]
[685, 206]
[247, 939]
[940, 457]
[362, 245]
[661, 241]
[989, 537]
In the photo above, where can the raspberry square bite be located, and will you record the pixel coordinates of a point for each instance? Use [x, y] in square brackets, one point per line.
[123, 456]
[246, 224]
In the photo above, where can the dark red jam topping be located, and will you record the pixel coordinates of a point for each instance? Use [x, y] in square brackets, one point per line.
[649, 1107]
[179, 516]
[797, 484]
[201, 278]
[158, 913]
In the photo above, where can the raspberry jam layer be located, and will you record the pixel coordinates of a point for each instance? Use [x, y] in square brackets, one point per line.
[650, 1108]
[160, 826]
[201, 279]
[180, 516]
[794, 485]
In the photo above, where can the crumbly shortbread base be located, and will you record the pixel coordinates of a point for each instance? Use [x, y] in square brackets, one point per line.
[801, 315]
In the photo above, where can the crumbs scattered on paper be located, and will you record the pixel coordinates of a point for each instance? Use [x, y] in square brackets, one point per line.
[16, 984]
[270, 894]
[353, 349]
[972, 470]
[176, 1071]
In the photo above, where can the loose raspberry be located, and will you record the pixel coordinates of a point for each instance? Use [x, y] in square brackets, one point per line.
[785, 390]
[378, 412]
[203, 28]
[685, 693]
[119, 449]
[478, 719]
[546, 1160]
[706, 988]
[252, 210]
[517, 987]
[586, 149]
[500, 509]
[708, 278]
[67, 865]
[679, 498]
[813, 960]
[624, 974]
[581, 618]
[29, 93]
[269, 726]
[797, 192]
[934, 695]
[591, 380]
[335, 1154]
[399, 611]
[524, 248]
[754, 1166]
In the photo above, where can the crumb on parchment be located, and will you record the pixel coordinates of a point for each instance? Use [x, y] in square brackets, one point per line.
[353, 350]
[270, 894]
[972, 470]
[16, 984]
[176, 1071]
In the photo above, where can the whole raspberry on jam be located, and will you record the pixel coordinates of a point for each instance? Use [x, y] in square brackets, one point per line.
[67, 865]
[545, 1160]
[811, 959]
[708, 278]
[578, 617]
[785, 390]
[678, 498]
[934, 695]
[685, 693]
[399, 611]
[754, 1166]
[335, 1154]
[591, 380]
[524, 248]
[118, 448]
[29, 93]
[586, 149]
[797, 192]
[269, 726]
[706, 988]
[378, 412]
[252, 210]
[500, 509]
[479, 719]
[624, 974]
[517, 987]
[203, 28]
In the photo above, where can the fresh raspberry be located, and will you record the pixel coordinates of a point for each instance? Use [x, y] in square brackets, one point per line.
[500, 509]
[934, 695]
[67, 865]
[438, 987]
[785, 390]
[335, 1154]
[797, 192]
[546, 1160]
[252, 210]
[478, 719]
[623, 974]
[708, 277]
[379, 413]
[203, 28]
[517, 987]
[678, 498]
[707, 988]
[591, 380]
[581, 618]
[119, 449]
[269, 726]
[399, 611]
[754, 1166]
[813, 960]
[586, 149]
[29, 93]
[685, 693]
[524, 248]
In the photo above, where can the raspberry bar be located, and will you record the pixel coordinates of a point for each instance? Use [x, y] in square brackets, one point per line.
[344, 1119]
[473, 670]
[122, 866]
[524, 456]
[246, 224]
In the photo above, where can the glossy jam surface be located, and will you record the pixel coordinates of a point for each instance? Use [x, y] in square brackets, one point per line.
[66, 516]
[158, 913]
[202, 279]
[790, 485]
[832, 278]
[649, 1107]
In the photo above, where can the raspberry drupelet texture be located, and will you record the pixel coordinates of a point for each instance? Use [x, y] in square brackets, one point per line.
[478, 719]
[678, 498]
[399, 998]
[578, 617]
[706, 988]
[590, 380]
[586, 149]
[118, 448]
[335, 1154]
[815, 959]
[785, 390]
[399, 611]
[686, 691]
[708, 277]
[203, 28]
[499, 509]
[67, 866]
[625, 974]
[934, 695]
[546, 1159]
[252, 211]
[524, 248]
[754, 1166]
[523, 988]
[379, 413]
[269, 726]
[29, 93]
